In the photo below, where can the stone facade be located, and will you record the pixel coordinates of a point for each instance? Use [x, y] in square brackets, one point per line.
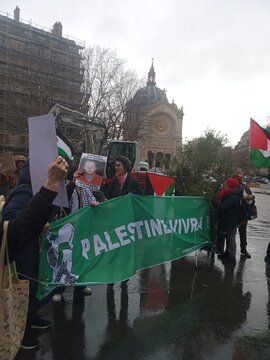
[159, 123]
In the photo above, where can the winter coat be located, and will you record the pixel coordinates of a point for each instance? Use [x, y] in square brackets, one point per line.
[131, 185]
[20, 195]
[229, 210]
[29, 222]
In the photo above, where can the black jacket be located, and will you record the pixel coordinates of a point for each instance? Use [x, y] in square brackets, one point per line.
[29, 222]
[20, 195]
[131, 185]
[229, 210]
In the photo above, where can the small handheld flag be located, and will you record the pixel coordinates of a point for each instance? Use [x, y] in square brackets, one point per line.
[63, 145]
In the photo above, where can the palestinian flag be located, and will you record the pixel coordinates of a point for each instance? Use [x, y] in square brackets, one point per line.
[63, 145]
[259, 143]
[161, 184]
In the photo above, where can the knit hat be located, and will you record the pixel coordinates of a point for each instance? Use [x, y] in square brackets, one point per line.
[232, 183]
[238, 172]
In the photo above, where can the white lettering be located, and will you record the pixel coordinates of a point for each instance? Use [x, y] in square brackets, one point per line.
[194, 224]
[139, 225]
[147, 228]
[186, 225]
[99, 245]
[109, 242]
[131, 229]
[156, 227]
[121, 234]
[173, 225]
[85, 247]
[165, 228]
[200, 224]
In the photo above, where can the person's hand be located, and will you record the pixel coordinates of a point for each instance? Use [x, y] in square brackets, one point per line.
[77, 174]
[45, 228]
[249, 197]
[57, 171]
[93, 203]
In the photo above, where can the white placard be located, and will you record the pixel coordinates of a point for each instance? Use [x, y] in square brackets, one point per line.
[42, 150]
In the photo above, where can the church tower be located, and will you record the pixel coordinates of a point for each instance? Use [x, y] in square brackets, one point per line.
[155, 123]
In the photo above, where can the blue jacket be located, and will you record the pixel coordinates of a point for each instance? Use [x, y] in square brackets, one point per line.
[20, 196]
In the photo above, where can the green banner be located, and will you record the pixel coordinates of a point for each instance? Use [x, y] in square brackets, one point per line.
[110, 242]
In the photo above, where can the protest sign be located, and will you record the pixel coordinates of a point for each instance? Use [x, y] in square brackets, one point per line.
[42, 150]
[93, 170]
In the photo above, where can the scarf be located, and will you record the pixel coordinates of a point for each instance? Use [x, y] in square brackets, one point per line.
[82, 196]
[121, 179]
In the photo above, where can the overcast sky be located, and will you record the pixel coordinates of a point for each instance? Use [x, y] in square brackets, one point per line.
[212, 56]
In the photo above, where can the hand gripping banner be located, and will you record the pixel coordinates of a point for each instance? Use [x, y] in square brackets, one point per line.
[110, 242]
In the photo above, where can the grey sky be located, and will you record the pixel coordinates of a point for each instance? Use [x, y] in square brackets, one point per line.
[212, 56]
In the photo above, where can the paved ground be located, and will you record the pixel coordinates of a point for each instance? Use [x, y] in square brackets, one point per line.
[174, 311]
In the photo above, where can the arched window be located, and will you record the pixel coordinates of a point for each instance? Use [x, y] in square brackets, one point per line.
[150, 159]
[167, 161]
[159, 160]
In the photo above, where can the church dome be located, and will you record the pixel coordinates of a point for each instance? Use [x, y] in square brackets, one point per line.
[149, 94]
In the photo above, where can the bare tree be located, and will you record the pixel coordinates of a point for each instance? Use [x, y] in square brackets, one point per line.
[108, 87]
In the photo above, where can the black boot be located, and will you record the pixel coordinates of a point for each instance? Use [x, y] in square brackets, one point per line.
[223, 256]
[245, 253]
[29, 341]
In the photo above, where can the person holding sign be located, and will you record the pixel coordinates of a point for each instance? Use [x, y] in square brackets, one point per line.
[80, 196]
[25, 228]
[32, 219]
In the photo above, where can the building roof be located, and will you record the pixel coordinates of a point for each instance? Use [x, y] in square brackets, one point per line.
[149, 94]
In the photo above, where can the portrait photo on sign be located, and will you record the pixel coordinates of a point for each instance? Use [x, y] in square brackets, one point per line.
[92, 168]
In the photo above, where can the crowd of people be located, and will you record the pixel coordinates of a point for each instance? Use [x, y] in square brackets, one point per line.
[21, 198]
[29, 215]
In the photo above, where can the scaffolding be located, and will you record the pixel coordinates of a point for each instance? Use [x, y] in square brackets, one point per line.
[38, 69]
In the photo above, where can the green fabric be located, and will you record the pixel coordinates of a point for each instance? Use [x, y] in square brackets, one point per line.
[63, 149]
[110, 242]
[170, 189]
[258, 159]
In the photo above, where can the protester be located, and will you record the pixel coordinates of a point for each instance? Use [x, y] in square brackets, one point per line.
[81, 196]
[230, 198]
[30, 222]
[248, 197]
[13, 176]
[123, 182]
[27, 261]
[25, 228]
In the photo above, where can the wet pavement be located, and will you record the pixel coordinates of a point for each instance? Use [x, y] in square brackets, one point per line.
[194, 308]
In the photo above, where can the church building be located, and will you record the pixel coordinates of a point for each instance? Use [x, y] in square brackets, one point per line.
[156, 122]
